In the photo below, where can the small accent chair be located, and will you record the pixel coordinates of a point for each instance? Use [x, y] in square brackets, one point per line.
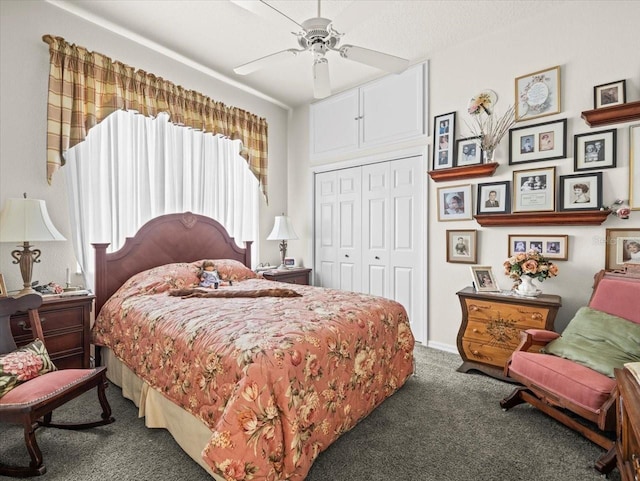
[31, 403]
[563, 388]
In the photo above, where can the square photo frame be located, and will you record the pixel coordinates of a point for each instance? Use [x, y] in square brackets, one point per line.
[623, 247]
[455, 203]
[634, 167]
[535, 143]
[551, 246]
[580, 192]
[608, 95]
[444, 128]
[468, 151]
[462, 246]
[483, 279]
[494, 198]
[538, 94]
[594, 150]
[534, 190]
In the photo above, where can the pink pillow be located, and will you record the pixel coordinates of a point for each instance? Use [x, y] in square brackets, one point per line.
[27, 362]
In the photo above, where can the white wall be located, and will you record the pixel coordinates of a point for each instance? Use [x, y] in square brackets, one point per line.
[24, 73]
[594, 42]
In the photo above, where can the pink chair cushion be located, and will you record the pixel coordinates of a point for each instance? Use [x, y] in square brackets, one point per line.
[614, 296]
[567, 379]
[42, 387]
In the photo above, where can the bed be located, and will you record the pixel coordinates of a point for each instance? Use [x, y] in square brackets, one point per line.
[253, 386]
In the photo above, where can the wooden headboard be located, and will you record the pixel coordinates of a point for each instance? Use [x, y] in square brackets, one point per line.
[185, 237]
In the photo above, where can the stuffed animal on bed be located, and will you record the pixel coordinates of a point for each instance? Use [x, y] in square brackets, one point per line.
[209, 276]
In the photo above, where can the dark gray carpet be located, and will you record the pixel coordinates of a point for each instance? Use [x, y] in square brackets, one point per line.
[442, 425]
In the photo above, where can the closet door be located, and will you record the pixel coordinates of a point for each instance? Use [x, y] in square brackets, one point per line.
[376, 229]
[391, 232]
[406, 245]
[337, 229]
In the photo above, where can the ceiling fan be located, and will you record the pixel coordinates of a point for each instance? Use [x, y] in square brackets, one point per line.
[318, 36]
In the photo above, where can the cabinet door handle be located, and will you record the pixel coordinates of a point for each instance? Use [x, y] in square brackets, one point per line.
[377, 258]
[23, 324]
[356, 118]
[346, 255]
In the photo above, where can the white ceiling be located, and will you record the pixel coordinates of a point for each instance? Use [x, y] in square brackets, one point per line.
[221, 35]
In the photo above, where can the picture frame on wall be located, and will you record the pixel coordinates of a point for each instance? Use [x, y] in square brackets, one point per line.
[535, 143]
[610, 94]
[623, 247]
[594, 150]
[580, 191]
[444, 128]
[538, 94]
[455, 203]
[468, 151]
[494, 198]
[534, 190]
[551, 246]
[483, 279]
[462, 246]
[634, 167]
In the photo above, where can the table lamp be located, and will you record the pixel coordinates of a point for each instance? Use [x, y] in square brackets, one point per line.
[282, 231]
[26, 220]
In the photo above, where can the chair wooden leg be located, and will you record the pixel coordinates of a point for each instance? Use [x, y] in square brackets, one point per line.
[36, 466]
[513, 399]
[606, 462]
[106, 417]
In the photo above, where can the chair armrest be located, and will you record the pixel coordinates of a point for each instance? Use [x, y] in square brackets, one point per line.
[535, 337]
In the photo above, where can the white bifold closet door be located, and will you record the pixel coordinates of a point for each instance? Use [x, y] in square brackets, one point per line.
[369, 231]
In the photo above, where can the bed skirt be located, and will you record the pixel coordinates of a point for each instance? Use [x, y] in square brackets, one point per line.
[191, 434]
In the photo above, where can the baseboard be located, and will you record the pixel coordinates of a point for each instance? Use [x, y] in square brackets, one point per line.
[442, 347]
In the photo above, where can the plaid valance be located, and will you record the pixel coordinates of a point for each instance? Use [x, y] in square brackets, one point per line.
[85, 87]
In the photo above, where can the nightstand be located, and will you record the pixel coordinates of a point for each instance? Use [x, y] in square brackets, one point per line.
[492, 323]
[66, 323]
[295, 275]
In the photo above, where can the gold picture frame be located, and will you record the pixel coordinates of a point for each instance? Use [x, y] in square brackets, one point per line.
[619, 242]
[462, 246]
[483, 279]
[3, 287]
[538, 94]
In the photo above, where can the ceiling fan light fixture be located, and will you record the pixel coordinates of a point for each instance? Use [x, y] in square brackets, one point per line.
[321, 82]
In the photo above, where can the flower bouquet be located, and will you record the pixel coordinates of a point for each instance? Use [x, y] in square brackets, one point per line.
[530, 263]
[527, 266]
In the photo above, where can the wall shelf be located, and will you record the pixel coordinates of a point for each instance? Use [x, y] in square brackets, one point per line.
[584, 217]
[466, 172]
[612, 115]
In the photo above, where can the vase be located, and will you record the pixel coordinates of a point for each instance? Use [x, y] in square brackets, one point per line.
[487, 156]
[527, 287]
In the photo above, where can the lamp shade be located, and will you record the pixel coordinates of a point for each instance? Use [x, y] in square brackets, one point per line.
[282, 229]
[27, 220]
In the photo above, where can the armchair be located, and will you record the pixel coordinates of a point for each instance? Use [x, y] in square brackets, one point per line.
[567, 390]
[31, 388]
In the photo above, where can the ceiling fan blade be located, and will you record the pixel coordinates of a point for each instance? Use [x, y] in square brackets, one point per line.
[267, 61]
[373, 58]
[321, 83]
[263, 9]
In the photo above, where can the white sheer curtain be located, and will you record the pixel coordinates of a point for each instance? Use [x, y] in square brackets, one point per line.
[132, 168]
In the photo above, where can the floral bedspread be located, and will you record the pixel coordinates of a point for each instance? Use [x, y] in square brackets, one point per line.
[276, 379]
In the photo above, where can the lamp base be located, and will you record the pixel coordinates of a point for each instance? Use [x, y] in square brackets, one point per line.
[25, 291]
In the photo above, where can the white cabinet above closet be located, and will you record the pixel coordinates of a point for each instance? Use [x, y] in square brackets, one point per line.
[382, 112]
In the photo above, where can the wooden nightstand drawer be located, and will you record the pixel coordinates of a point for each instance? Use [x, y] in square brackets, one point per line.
[486, 353]
[528, 316]
[65, 325]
